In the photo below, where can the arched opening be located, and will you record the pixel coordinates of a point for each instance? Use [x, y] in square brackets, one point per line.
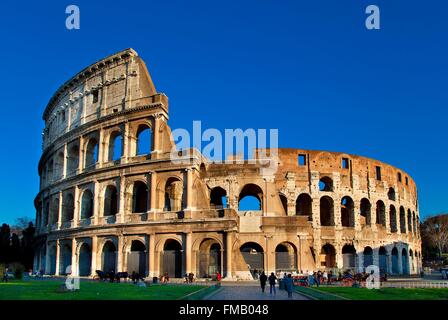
[46, 213]
[115, 146]
[382, 255]
[139, 197]
[253, 256]
[65, 260]
[368, 257]
[68, 208]
[304, 206]
[110, 201]
[91, 157]
[209, 258]
[143, 140]
[326, 211]
[250, 198]
[328, 256]
[410, 222]
[391, 194]
[172, 259]
[380, 213]
[137, 258]
[284, 202]
[73, 160]
[86, 204]
[218, 198]
[326, 184]
[54, 211]
[405, 261]
[411, 261]
[85, 260]
[393, 219]
[349, 257]
[395, 261]
[414, 224]
[173, 194]
[59, 165]
[366, 218]
[52, 257]
[347, 212]
[109, 257]
[50, 171]
[285, 257]
[402, 220]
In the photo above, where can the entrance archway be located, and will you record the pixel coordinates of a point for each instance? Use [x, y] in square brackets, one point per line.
[285, 257]
[209, 258]
[172, 258]
[368, 257]
[395, 261]
[85, 260]
[109, 257]
[348, 257]
[253, 256]
[137, 258]
[328, 256]
[382, 253]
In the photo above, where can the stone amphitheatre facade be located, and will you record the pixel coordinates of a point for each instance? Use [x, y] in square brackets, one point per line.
[111, 199]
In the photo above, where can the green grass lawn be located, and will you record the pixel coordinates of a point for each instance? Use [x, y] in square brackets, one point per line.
[387, 293]
[48, 290]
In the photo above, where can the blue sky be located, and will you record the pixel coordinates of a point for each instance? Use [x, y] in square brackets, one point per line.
[309, 68]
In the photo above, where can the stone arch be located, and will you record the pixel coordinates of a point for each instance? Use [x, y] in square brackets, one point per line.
[326, 211]
[326, 184]
[65, 259]
[54, 210]
[110, 201]
[393, 219]
[218, 198]
[173, 194]
[59, 165]
[394, 254]
[382, 257]
[209, 257]
[410, 230]
[404, 261]
[368, 256]
[253, 255]
[285, 257]
[391, 194]
[85, 260]
[253, 195]
[347, 212]
[52, 257]
[411, 261]
[328, 256]
[380, 213]
[349, 257]
[143, 142]
[115, 146]
[304, 206]
[402, 220]
[284, 202]
[87, 204]
[139, 197]
[73, 159]
[91, 153]
[68, 207]
[366, 213]
[171, 258]
[109, 257]
[137, 256]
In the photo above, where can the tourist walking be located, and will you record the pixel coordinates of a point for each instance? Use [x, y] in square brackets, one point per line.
[272, 279]
[5, 275]
[289, 285]
[263, 279]
[218, 276]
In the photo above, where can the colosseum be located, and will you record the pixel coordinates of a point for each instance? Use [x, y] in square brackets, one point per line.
[111, 199]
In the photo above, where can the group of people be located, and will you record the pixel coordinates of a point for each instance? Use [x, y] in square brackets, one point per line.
[272, 279]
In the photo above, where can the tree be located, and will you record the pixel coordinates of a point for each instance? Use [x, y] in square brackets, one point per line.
[435, 233]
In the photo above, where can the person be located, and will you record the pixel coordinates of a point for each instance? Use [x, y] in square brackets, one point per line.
[316, 279]
[190, 277]
[218, 276]
[5, 275]
[324, 277]
[272, 279]
[263, 279]
[186, 278]
[330, 276]
[289, 285]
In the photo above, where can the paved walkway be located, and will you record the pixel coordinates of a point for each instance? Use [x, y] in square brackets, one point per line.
[231, 292]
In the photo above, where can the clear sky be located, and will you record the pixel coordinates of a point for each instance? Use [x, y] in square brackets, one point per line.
[309, 68]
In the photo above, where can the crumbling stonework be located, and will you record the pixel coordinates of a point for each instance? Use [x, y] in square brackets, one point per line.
[139, 211]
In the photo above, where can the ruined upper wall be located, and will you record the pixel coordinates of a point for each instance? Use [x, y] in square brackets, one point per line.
[113, 84]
